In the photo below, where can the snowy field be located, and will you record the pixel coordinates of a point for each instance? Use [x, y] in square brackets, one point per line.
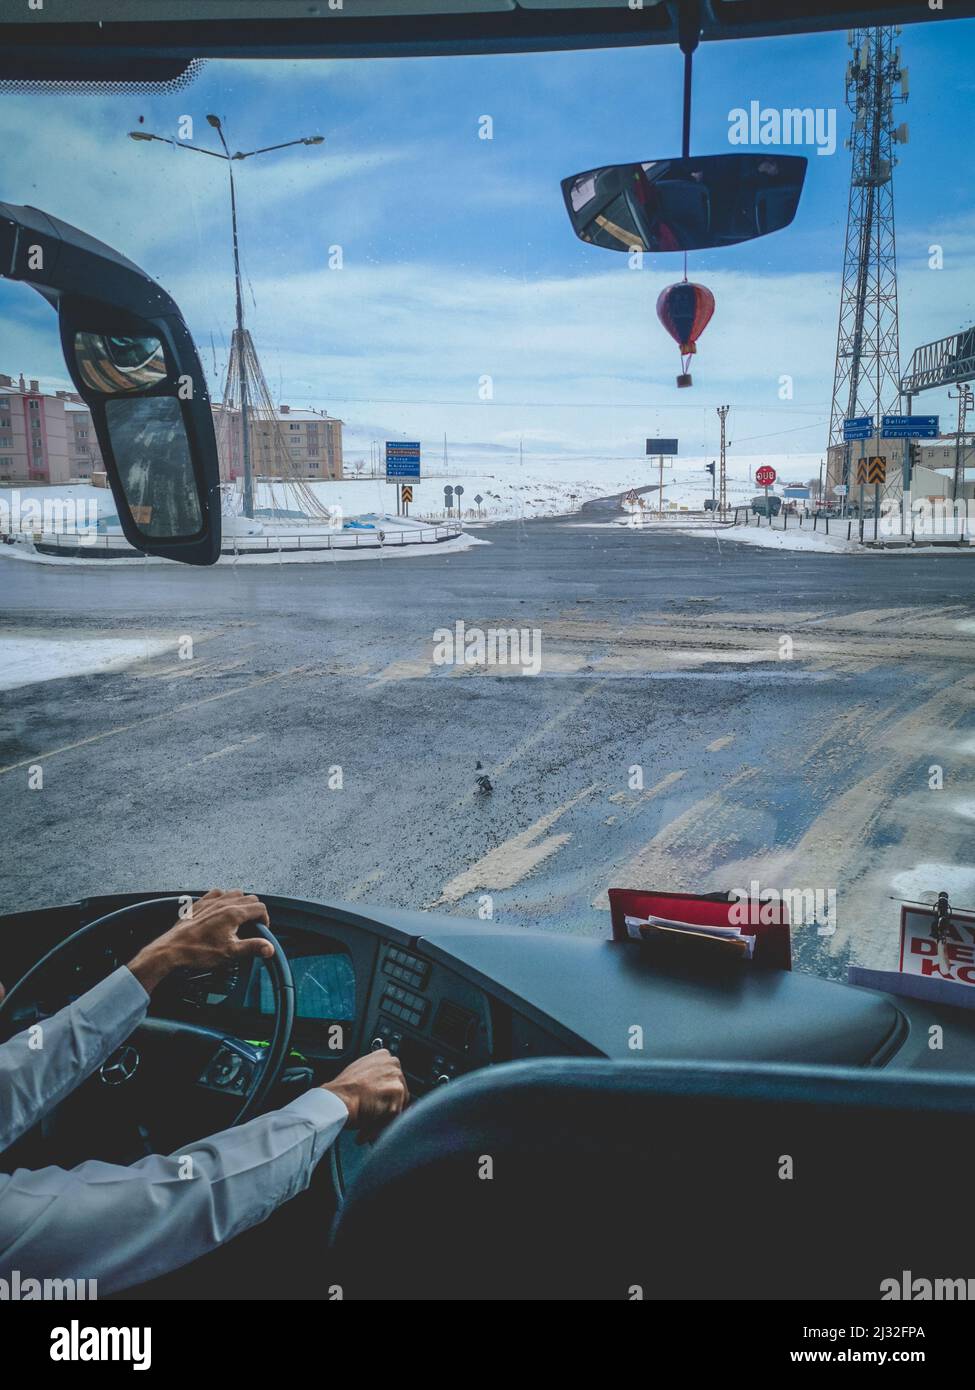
[514, 491]
[510, 490]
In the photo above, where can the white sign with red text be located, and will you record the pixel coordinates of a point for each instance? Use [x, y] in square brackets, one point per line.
[919, 948]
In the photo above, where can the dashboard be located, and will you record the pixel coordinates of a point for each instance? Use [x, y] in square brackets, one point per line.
[449, 996]
[361, 983]
[356, 990]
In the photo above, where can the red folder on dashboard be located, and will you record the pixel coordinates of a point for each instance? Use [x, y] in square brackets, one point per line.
[767, 922]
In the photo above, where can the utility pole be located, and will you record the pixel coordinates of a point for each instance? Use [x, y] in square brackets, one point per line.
[723, 488]
[965, 401]
[238, 345]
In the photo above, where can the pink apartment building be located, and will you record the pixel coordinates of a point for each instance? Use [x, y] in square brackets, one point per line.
[44, 438]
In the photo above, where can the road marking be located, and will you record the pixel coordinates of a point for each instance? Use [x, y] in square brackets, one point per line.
[720, 743]
[510, 862]
[354, 893]
[669, 858]
[663, 784]
[230, 748]
[404, 670]
[152, 719]
[564, 712]
[200, 670]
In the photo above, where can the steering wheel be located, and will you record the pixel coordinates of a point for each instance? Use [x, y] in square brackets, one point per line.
[166, 1064]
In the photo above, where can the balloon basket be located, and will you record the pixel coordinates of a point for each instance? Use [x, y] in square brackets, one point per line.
[685, 379]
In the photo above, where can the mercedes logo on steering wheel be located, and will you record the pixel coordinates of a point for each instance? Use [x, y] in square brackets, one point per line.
[121, 1066]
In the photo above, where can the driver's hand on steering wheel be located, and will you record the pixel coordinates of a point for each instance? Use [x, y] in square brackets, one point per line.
[373, 1089]
[205, 938]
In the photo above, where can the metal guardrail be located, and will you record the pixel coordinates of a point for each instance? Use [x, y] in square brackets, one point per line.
[72, 546]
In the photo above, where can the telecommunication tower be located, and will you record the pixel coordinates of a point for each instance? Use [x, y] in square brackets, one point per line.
[866, 380]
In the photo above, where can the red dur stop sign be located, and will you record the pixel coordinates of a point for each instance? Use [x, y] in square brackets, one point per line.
[765, 476]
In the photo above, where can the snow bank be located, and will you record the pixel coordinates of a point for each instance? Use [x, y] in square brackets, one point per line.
[26, 660]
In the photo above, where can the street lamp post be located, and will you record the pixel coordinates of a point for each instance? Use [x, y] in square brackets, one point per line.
[214, 121]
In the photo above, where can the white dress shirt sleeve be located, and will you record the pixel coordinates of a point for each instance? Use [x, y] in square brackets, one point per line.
[44, 1063]
[124, 1225]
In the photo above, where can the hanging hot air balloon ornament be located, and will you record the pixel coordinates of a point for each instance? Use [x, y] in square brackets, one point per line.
[685, 311]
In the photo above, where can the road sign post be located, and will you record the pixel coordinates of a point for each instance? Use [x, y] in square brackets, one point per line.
[909, 427]
[661, 449]
[448, 498]
[402, 461]
[859, 427]
[765, 476]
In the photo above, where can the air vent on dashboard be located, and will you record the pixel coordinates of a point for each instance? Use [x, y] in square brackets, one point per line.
[454, 1026]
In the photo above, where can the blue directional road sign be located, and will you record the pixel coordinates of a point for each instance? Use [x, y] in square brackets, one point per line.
[402, 460]
[860, 427]
[909, 426]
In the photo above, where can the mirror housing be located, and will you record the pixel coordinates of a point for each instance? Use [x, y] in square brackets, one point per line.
[124, 339]
[684, 204]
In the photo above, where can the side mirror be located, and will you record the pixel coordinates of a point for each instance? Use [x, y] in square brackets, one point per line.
[133, 362]
[684, 204]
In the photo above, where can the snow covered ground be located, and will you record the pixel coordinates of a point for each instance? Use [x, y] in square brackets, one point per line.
[24, 660]
[794, 538]
[509, 490]
[516, 492]
[24, 550]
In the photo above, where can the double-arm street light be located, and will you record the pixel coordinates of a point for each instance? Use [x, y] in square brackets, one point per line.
[229, 158]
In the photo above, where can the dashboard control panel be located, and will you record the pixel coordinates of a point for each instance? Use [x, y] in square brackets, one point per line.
[436, 1023]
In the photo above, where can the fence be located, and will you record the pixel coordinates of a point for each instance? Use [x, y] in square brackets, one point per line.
[813, 523]
[868, 530]
[117, 547]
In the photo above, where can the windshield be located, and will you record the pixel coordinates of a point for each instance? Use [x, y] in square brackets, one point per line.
[505, 617]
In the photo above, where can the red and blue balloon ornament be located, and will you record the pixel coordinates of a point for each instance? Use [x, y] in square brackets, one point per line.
[685, 310]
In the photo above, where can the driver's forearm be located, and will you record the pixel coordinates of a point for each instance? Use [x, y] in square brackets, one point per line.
[124, 1226]
[44, 1063]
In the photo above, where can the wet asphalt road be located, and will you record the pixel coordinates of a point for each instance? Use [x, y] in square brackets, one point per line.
[671, 739]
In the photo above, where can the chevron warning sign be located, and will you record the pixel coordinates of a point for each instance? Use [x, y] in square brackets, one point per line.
[872, 470]
[407, 493]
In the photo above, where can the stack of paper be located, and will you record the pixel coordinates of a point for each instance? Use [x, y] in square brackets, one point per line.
[730, 940]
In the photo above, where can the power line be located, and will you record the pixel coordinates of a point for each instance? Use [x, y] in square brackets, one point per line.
[564, 405]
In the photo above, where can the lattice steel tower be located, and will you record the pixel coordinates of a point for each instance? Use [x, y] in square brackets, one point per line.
[867, 375]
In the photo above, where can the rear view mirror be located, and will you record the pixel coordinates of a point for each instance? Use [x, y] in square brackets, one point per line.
[133, 362]
[684, 204]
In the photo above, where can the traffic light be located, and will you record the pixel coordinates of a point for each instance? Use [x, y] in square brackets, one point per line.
[710, 468]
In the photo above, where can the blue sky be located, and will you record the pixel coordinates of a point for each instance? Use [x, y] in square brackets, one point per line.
[458, 259]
